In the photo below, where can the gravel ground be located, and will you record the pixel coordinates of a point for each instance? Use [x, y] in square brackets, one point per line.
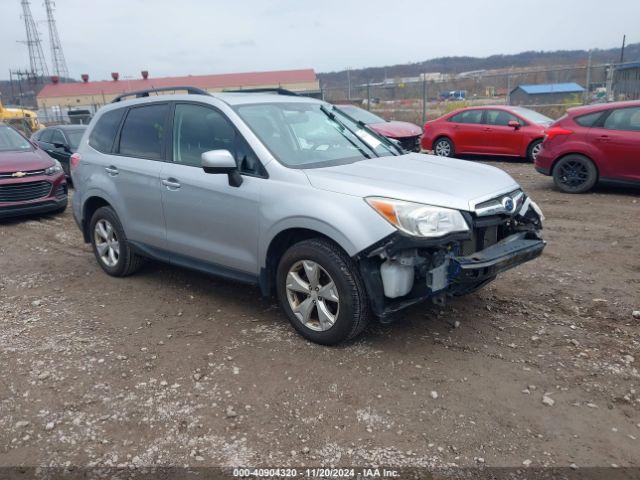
[170, 367]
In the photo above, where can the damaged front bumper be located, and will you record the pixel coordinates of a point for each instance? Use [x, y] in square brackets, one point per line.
[451, 266]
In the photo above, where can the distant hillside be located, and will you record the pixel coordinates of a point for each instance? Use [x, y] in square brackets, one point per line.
[465, 64]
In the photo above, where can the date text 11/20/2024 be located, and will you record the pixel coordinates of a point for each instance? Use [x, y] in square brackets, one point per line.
[315, 473]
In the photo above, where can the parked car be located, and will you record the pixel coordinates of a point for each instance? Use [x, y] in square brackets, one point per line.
[596, 143]
[493, 130]
[60, 142]
[30, 181]
[289, 193]
[405, 133]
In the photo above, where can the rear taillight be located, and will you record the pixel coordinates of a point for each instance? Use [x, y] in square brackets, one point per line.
[74, 160]
[551, 133]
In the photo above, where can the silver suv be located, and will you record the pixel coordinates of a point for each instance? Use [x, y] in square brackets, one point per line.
[294, 195]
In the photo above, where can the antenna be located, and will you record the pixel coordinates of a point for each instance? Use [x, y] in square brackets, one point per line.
[58, 63]
[36, 57]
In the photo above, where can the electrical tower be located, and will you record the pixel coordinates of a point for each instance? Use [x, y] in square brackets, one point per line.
[58, 63]
[36, 57]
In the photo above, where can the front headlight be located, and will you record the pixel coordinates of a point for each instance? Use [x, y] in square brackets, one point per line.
[55, 168]
[417, 219]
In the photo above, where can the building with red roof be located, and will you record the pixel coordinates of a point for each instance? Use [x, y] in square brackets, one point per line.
[87, 94]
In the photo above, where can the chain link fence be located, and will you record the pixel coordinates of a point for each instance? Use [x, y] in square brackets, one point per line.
[429, 96]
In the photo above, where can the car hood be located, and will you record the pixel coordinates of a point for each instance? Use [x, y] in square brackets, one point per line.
[416, 177]
[395, 129]
[23, 161]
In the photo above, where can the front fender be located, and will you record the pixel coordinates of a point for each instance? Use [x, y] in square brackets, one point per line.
[345, 219]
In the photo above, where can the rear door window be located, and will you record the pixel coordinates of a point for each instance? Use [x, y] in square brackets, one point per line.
[500, 118]
[143, 132]
[57, 137]
[624, 119]
[46, 136]
[468, 116]
[104, 132]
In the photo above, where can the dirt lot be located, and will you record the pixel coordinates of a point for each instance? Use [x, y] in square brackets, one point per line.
[170, 367]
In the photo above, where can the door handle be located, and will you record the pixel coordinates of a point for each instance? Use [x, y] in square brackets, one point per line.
[171, 184]
[604, 138]
[111, 170]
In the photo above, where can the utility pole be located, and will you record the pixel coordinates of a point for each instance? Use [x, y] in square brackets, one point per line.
[58, 63]
[624, 41]
[368, 96]
[349, 83]
[587, 88]
[424, 98]
[36, 56]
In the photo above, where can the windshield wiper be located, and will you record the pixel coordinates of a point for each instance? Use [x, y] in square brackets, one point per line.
[396, 150]
[332, 116]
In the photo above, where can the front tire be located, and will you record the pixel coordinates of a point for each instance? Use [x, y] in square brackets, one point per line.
[321, 291]
[110, 245]
[575, 174]
[534, 150]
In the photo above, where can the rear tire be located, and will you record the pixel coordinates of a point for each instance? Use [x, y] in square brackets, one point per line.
[534, 150]
[322, 284]
[575, 174]
[443, 147]
[110, 245]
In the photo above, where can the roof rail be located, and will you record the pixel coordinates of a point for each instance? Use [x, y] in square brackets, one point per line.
[278, 91]
[145, 93]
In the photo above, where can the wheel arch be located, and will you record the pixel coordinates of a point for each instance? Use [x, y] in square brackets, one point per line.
[279, 245]
[91, 204]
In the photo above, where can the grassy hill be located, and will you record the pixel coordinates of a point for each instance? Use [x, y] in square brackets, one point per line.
[464, 64]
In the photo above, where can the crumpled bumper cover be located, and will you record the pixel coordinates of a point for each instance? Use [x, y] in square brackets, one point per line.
[510, 252]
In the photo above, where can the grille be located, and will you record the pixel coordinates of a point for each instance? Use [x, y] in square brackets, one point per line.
[481, 238]
[61, 191]
[411, 144]
[22, 192]
[29, 173]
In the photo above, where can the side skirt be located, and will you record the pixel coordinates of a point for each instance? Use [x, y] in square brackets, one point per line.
[193, 263]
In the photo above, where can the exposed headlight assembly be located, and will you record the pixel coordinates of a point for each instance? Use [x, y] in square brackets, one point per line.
[417, 219]
[55, 168]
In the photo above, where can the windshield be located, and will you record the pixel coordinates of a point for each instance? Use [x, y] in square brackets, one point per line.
[74, 137]
[310, 134]
[361, 115]
[11, 141]
[533, 116]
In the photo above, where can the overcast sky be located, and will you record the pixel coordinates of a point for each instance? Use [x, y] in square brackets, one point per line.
[179, 37]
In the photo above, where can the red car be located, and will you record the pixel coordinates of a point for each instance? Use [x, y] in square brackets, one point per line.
[405, 133]
[493, 130]
[591, 144]
[30, 180]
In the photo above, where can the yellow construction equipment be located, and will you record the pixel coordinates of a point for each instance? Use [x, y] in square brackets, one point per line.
[20, 118]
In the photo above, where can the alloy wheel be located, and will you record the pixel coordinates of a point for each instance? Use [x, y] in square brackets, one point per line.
[312, 295]
[443, 148]
[535, 151]
[106, 242]
[573, 173]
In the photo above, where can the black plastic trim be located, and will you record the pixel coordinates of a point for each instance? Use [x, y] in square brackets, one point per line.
[193, 263]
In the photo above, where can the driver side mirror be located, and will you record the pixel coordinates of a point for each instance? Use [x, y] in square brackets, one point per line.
[221, 161]
[514, 124]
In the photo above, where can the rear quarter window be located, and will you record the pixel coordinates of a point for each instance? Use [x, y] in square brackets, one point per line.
[105, 130]
[588, 120]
